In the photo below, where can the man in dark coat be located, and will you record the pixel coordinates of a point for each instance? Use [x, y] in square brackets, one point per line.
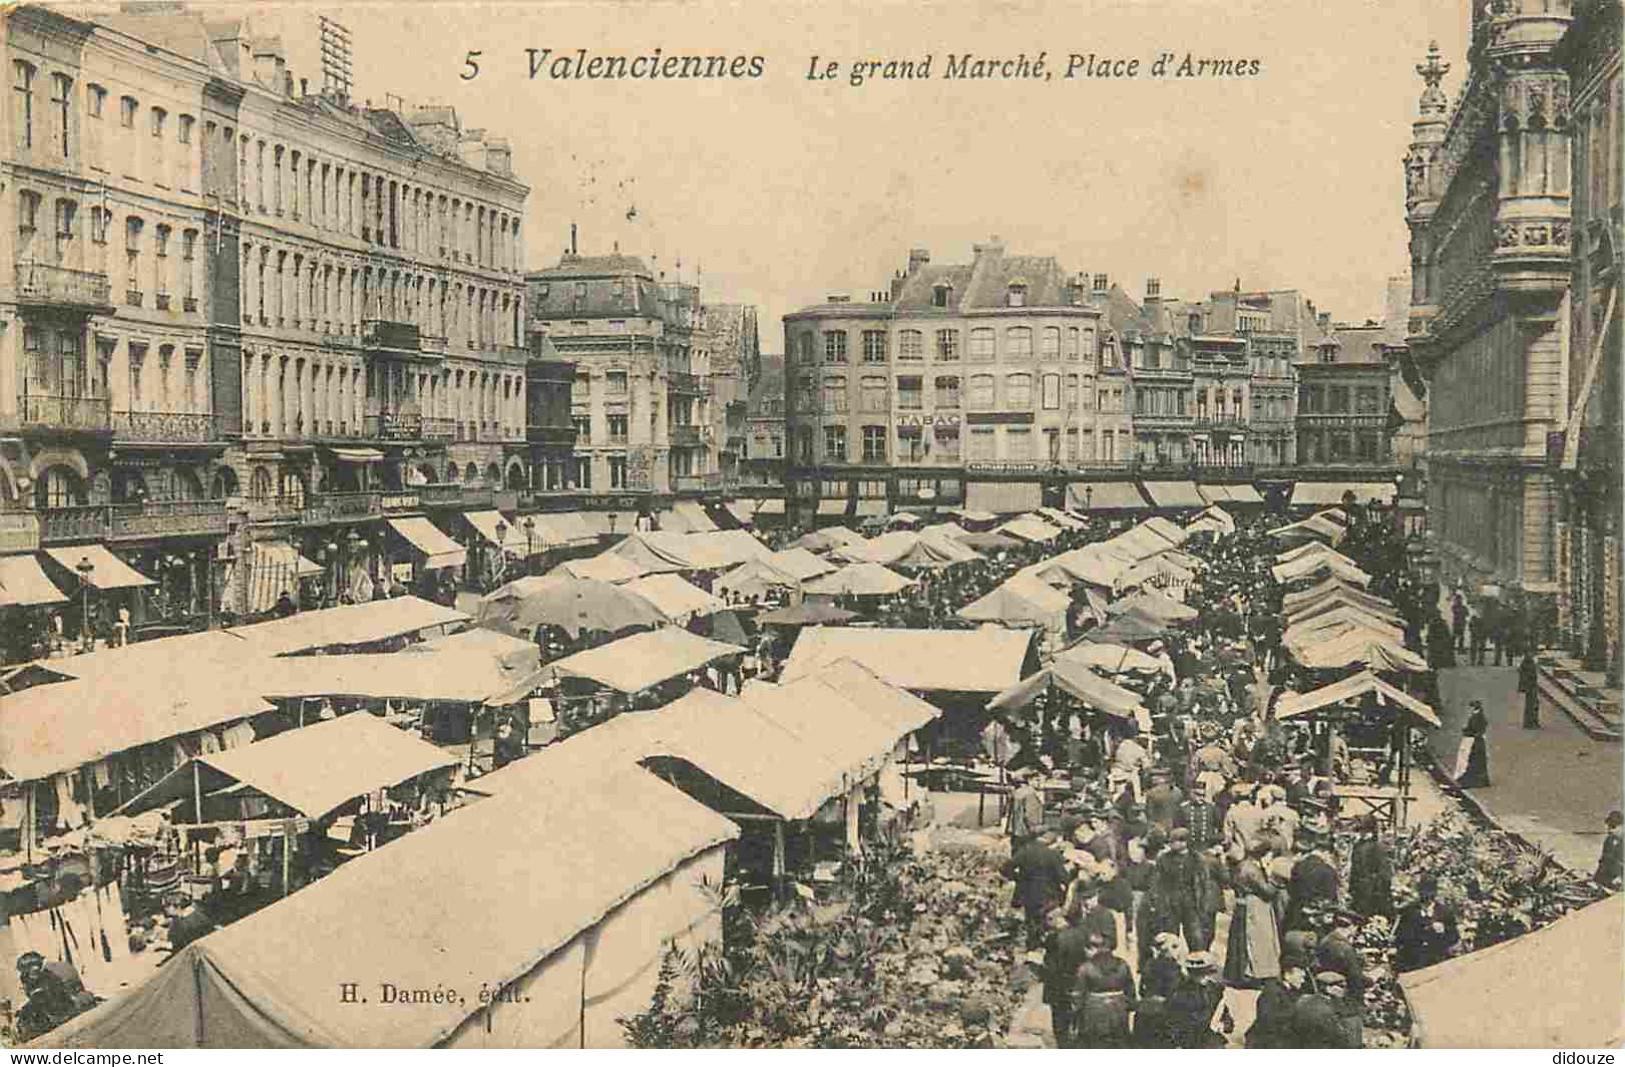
[1314, 876]
[1611, 863]
[1458, 621]
[1426, 930]
[1064, 952]
[1529, 686]
[1162, 800]
[1272, 1026]
[1335, 953]
[1371, 872]
[1040, 876]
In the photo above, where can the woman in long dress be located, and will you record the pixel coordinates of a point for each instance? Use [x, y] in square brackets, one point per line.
[1253, 952]
[1473, 756]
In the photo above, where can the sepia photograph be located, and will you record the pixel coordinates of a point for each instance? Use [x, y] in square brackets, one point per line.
[694, 524]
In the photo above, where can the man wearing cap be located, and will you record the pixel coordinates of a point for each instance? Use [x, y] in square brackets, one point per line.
[1192, 897]
[1371, 871]
[1314, 876]
[1426, 930]
[1272, 1026]
[1163, 799]
[1041, 878]
[1026, 818]
[1335, 953]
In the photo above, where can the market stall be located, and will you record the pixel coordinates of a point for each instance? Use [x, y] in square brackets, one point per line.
[571, 604]
[1022, 600]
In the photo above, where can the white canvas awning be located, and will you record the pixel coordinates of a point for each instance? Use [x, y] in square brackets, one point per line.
[23, 582]
[107, 570]
[436, 549]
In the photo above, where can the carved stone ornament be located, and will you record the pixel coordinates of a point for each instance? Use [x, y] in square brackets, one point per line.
[1506, 235]
[1534, 235]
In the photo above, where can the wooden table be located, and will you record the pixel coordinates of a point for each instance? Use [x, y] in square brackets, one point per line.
[1385, 802]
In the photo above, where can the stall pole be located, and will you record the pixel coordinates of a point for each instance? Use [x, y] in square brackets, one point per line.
[287, 857]
[778, 858]
[197, 793]
[1404, 776]
[853, 846]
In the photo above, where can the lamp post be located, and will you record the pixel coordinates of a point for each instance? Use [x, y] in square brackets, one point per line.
[502, 551]
[612, 518]
[331, 577]
[84, 568]
[530, 542]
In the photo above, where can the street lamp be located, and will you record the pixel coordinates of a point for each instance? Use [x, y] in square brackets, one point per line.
[85, 568]
[530, 541]
[612, 518]
[502, 550]
[331, 593]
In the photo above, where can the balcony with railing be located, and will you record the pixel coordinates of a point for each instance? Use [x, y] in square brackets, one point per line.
[130, 522]
[1237, 422]
[165, 427]
[685, 383]
[42, 285]
[320, 508]
[697, 483]
[686, 436]
[389, 336]
[85, 414]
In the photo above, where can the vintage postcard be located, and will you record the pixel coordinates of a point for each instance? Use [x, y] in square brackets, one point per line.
[599, 525]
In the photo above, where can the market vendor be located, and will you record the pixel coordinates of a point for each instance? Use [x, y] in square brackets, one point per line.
[1426, 930]
[55, 995]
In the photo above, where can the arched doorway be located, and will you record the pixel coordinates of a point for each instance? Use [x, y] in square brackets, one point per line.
[493, 475]
[186, 485]
[516, 475]
[471, 473]
[451, 473]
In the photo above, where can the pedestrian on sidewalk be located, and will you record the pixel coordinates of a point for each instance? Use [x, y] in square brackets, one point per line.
[1473, 754]
[1064, 952]
[1478, 636]
[1611, 864]
[1026, 811]
[1529, 686]
[1041, 878]
[1458, 620]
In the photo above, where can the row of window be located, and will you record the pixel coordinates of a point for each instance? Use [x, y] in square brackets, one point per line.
[1331, 446]
[982, 444]
[1053, 344]
[1054, 393]
[1341, 400]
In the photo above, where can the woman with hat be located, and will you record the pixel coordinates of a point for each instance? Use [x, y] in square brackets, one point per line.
[1253, 952]
[1194, 1001]
[1473, 754]
[1105, 997]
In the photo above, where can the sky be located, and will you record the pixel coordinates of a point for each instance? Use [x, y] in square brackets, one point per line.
[779, 190]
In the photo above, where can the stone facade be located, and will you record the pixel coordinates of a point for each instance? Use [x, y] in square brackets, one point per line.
[1487, 203]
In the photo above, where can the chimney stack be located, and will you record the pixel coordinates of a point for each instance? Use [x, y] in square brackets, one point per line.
[917, 258]
[1153, 290]
[1102, 284]
[1325, 320]
[572, 238]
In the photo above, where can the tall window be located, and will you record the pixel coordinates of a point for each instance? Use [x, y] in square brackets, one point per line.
[583, 424]
[1052, 392]
[617, 472]
[874, 346]
[95, 100]
[948, 346]
[981, 345]
[981, 445]
[981, 392]
[1070, 350]
[1018, 443]
[617, 429]
[874, 444]
[23, 96]
[835, 444]
[910, 392]
[873, 394]
[1018, 392]
[948, 393]
[1051, 349]
[126, 112]
[1071, 401]
[910, 345]
[835, 346]
[67, 213]
[835, 393]
[615, 383]
[28, 203]
[61, 104]
[1018, 341]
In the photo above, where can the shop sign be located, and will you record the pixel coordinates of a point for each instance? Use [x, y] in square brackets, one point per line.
[999, 418]
[400, 426]
[939, 419]
[400, 502]
[1004, 468]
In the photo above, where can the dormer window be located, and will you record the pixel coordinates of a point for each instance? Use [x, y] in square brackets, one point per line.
[940, 294]
[1016, 295]
[1195, 323]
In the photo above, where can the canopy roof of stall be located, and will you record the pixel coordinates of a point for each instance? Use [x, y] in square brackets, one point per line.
[604, 568]
[714, 550]
[1153, 605]
[1076, 680]
[1353, 687]
[807, 613]
[1109, 658]
[348, 624]
[860, 579]
[636, 662]
[1022, 599]
[1033, 530]
[574, 604]
[312, 770]
[1560, 986]
[675, 598]
[986, 660]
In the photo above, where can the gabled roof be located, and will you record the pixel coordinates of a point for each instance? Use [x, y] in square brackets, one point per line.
[919, 288]
[769, 384]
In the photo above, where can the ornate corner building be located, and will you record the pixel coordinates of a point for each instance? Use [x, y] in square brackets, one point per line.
[243, 322]
[1487, 203]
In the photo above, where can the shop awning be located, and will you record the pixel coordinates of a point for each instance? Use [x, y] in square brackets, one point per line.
[1104, 496]
[833, 507]
[770, 506]
[313, 770]
[1078, 681]
[348, 624]
[1330, 494]
[357, 455]
[870, 508]
[598, 522]
[437, 549]
[1175, 494]
[1351, 688]
[987, 660]
[556, 529]
[742, 510]
[686, 516]
[23, 582]
[110, 572]
[674, 598]
[1244, 494]
[1004, 498]
[1035, 531]
[513, 539]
